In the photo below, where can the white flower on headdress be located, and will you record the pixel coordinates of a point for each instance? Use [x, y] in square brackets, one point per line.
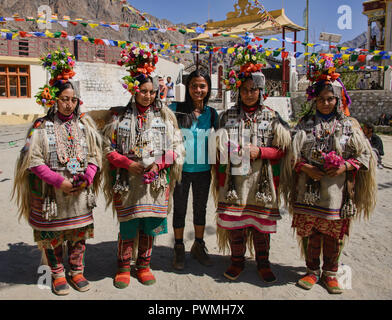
[241, 49]
[254, 58]
[239, 55]
[145, 56]
[247, 57]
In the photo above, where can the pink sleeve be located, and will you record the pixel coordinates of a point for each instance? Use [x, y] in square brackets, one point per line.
[271, 153]
[166, 160]
[49, 176]
[355, 163]
[118, 160]
[90, 173]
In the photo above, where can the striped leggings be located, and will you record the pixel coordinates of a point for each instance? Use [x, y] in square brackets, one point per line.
[331, 248]
[76, 253]
[261, 244]
[125, 247]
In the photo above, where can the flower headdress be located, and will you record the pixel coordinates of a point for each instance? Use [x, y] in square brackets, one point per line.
[323, 71]
[250, 61]
[60, 64]
[140, 62]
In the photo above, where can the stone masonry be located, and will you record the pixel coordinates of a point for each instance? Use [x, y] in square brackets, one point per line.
[367, 105]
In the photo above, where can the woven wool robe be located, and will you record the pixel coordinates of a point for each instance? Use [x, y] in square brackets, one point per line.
[347, 139]
[246, 211]
[72, 211]
[142, 201]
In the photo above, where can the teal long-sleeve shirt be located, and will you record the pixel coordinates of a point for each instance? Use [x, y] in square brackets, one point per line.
[196, 140]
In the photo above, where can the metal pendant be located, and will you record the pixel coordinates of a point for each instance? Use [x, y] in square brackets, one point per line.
[91, 200]
[312, 193]
[73, 166]
[348, 210]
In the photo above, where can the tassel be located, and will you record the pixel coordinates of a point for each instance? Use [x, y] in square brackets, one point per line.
[231, 194]
[264, 193]
[91, 200]
[348, 210]
[312, 193]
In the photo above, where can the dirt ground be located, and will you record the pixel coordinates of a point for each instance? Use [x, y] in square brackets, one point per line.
[367, 253]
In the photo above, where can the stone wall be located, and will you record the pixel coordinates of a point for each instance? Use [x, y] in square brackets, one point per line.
[367, 105]
[100, 84]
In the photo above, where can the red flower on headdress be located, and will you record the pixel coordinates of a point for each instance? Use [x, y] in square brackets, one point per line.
[64, 75]
[250, 68]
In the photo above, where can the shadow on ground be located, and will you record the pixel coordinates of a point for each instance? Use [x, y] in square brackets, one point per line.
[19, 265]
[162, 260]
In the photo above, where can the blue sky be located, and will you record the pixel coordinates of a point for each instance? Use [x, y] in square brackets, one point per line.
[323, 13]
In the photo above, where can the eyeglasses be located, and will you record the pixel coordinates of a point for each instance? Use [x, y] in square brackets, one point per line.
[74, 100]
[322, 100]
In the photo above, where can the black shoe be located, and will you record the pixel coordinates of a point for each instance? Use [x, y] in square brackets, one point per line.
[179, 256]
[199, 252]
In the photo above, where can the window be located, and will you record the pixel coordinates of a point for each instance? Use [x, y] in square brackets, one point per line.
[14, 81]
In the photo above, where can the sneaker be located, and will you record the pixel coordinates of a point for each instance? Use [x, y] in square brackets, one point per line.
[332, 284]
[122, 278]
[60, 286]
[199, 252]
[80, 283]
[308, 281]
[179, 257]
[233, 272]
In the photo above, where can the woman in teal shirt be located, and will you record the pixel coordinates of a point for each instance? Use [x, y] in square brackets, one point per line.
[196, 120]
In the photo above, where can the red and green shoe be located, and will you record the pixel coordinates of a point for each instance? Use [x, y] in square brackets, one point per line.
[60, 286]
[80, 283]
[331, 284]
[145, 276]
[308, 281]
[122, 278]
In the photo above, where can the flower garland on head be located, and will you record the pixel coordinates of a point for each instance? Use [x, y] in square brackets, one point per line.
[324, 71]
[249, 59]
[60, 64]
[139, 60]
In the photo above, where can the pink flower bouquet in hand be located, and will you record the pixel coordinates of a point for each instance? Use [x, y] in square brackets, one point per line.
[149, 177]
[332, 160]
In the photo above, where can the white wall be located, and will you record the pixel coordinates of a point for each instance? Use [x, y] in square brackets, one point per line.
[100, 85]
[37, 80]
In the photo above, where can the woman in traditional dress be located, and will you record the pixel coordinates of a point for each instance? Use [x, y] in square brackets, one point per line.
[196, 120]
[246, 182]
[144, 153]
[334, 175]
[56, 176]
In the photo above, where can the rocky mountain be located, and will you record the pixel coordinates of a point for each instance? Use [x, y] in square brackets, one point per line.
[360, 41]
[104, 11]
